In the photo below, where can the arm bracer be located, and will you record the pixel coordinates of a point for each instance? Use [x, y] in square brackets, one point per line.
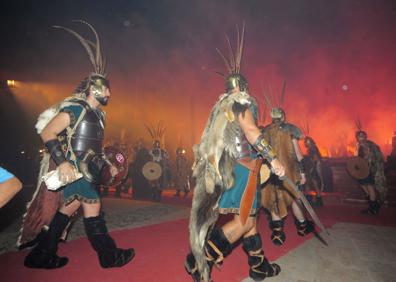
[264, 148]
[55, 150]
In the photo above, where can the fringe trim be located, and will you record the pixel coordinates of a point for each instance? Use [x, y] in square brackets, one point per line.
[253, 212]
[81, 199]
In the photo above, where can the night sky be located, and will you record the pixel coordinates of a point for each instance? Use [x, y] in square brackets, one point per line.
[337, 57]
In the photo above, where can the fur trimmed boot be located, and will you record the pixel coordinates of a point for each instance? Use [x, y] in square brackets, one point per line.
[260, 268]
[108, 253]
[217, 247]
[278, 236]
[43, 254]
[305, 227]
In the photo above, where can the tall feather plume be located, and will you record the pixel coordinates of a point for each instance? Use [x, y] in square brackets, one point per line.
[358, 124]
[282, 97]
[150, 131]
[240, 48]
[157, 132]
[233, 63]
[226, 63]
[93, 49]
[305, 128]
[231, 54]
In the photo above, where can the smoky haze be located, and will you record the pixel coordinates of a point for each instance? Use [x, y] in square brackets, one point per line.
[337, 58]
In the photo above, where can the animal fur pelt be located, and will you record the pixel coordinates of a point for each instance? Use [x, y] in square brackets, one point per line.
[376, 165]
[46, 116]
[44, 204]
[276, 196]
[213, 169]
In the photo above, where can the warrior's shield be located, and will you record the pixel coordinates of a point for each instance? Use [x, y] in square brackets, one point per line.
[152, 171]
[358, 168]
[117, 158]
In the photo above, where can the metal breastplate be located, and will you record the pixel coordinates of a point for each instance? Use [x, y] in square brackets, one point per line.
[89, 134]
[242, 147]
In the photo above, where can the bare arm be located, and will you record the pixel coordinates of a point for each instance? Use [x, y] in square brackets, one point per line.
[252, 133]
[249, 127]
[59, 123]
[297, 149]
[55, 126]
[299, 156]
[8, 190]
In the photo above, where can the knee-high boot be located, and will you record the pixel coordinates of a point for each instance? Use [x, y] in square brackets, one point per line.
[43, 254]
[217, 247]
[108, 253]
[260, 268]
[278, 236]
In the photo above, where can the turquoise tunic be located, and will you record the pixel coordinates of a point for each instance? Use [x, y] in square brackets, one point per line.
[81, 189]
[230, 200]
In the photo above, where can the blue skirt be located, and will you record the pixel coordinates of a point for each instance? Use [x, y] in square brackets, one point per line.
[81, 190]
[230, 200]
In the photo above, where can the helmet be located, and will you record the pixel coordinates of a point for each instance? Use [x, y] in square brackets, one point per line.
[234, 80]
[180, 151]
[97, 82]
[156, 144]
[361, 134]
[308, 141]
[278, 114]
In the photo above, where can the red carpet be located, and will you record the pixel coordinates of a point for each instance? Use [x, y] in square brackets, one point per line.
[161, 249]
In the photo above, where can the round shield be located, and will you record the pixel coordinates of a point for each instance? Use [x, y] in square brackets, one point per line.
[117, 158]
[152, 171]
[357, 167]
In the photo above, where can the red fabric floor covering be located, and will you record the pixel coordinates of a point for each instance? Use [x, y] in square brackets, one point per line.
[161, 250]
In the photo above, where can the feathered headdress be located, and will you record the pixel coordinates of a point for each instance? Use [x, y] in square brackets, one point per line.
[233, 63]
[94, 50]
[157, 133]
[275, 101]
[96, 57]
[359, 128]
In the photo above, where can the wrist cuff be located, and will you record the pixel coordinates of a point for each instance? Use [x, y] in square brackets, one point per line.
[264, 149]
[55, 150]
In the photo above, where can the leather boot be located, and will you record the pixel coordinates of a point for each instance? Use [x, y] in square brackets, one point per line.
[260, 268]
[108, 253]
[278, 236]
[43, 254]
[217, 247]
[305, 227]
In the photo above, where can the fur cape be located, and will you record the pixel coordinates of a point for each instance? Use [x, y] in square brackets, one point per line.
[376, 166]
[276, 196]
[215, 157]
[44, 204]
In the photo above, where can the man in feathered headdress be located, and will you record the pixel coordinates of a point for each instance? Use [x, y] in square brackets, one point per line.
[313, 168]
[277, 195]
[374, 185]
[73, 132]
[227, 161]
[160, 156]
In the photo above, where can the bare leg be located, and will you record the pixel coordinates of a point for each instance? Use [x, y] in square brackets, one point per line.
[275, 216]
[91, 210]
[297, 211]
[370, 192]
[71, 208]
[365, 189]
[234, 229]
